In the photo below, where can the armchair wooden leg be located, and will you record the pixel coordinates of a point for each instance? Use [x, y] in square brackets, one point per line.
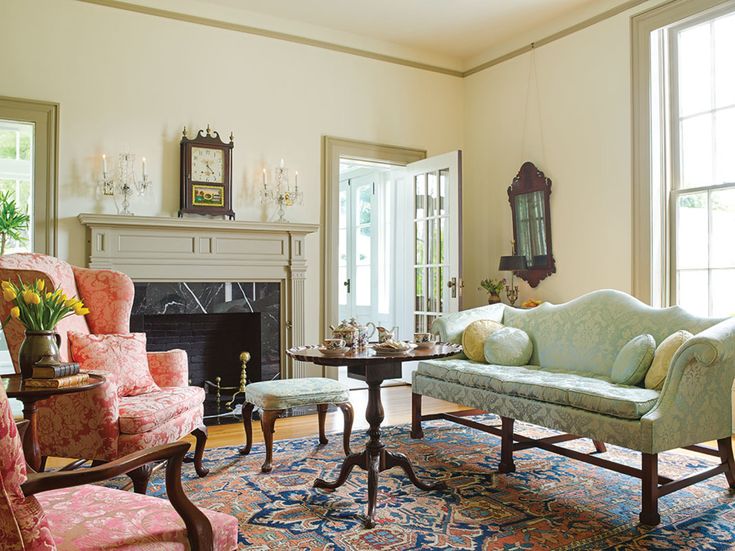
[268, 423]
[649, 496]
[200, 433]
[726, 456]
[416, 430]
[247, 422]
[321, 410]
[140, 478]
[349, 416]
[506, 446]
[42, 464]
[600, 446]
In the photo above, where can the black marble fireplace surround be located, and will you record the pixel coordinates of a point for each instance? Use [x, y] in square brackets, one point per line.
[214, 322]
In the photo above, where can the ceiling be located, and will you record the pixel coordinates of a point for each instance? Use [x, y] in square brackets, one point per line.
[457, 28]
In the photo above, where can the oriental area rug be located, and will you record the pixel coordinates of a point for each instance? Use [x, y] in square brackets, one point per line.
[551, 502]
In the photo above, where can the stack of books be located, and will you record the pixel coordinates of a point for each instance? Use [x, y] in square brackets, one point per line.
[56, 376]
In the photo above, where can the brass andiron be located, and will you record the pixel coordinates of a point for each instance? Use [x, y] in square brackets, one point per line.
[244, 359]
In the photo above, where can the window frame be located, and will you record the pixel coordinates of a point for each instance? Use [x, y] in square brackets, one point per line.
[653, 219]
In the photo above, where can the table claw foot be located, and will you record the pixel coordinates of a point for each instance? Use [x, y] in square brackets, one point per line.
[350, 462]
[373, 469]
[394, 459]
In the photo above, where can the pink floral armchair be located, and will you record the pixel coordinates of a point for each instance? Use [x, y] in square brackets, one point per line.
[63, 510]
[97, 424]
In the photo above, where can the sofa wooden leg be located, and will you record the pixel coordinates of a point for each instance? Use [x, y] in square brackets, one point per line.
[268, 423]
[321, 410]
[247, 423]
[416, 430]
[649, 495]
[200, 433]
[349, 415]
[726, 456]
[140, 478]
[600, 446]
[506, 446]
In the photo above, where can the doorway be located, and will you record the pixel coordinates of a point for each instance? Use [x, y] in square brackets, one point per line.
[391, 239]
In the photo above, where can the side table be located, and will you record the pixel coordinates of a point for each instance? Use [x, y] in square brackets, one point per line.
[15, 388]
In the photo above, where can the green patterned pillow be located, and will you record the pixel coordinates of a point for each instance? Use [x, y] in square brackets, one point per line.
[633, 360]
[508, 346]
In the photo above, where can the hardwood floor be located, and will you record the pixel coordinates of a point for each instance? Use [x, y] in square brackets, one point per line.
[396, 403]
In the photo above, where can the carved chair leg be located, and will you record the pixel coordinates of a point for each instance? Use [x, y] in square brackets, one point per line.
[506, 446]
[140, 478]
[349, 415]
[726, 456]
[416, 430]
[649, 496]
[268, 422]
[600, 446]
[200, 433]
[321, 410]
[247, 422]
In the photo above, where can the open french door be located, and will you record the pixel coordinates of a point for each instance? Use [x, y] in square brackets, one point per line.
[432, 258]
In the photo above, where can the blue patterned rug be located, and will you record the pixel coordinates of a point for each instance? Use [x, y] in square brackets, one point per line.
[551, 502]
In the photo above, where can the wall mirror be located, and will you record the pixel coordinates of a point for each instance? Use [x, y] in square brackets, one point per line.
[529, 203]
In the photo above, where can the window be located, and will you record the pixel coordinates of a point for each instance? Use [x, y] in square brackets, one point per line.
[692, 119]
[16, 174]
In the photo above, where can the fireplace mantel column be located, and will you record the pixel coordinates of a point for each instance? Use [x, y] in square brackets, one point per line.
[296, 322]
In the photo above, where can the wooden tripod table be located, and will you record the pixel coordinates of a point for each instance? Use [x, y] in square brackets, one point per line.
[372, 368]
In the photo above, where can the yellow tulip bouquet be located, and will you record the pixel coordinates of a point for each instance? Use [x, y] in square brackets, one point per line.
[38, 310]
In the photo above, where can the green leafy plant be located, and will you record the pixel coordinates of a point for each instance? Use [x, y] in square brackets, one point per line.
[13, 222]
[493, 286]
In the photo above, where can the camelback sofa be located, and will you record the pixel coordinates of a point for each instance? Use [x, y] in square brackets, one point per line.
[567, 387]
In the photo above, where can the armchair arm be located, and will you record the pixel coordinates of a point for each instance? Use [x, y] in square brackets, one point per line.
[450, 327]
[696, 400]
[22, 427]
[198, 527]
[170, 368]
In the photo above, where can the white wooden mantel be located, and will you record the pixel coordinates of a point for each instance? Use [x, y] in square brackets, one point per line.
[149, 248]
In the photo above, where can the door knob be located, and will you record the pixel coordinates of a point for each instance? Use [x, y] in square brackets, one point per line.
[347, 284]
[452, 284]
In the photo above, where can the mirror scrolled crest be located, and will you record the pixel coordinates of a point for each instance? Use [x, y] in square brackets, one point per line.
[529, 203]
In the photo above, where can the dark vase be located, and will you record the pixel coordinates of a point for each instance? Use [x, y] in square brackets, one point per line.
[36, 345]
[493, 299]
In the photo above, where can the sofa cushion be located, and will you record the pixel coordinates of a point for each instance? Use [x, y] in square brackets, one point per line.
[96, 517]
[662, 359]
[123, 356]
[633, 360]
[145, 412]
[508, 346]
[567, 389]
[474, 337]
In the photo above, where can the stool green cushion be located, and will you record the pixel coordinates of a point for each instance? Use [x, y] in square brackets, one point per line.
[288, 393]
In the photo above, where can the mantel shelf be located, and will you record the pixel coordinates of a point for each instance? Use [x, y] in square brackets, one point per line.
[169, 222]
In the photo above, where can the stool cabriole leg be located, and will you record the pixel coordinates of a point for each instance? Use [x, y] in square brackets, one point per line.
[268, 422]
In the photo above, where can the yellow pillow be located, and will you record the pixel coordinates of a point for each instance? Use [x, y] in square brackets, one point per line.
[474, 336]
[662, 358]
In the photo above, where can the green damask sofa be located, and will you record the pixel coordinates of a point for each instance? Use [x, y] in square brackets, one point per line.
[567, 386]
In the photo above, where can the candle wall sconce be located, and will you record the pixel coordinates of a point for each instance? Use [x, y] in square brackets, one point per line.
[121, 184]
[280, 192]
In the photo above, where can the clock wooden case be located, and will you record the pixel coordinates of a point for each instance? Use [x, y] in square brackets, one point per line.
[206, 174]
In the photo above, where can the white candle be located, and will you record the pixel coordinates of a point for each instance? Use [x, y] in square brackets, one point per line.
[104, 163]
[144, 172]
[263, 177]
[296, 179]
[282, 163]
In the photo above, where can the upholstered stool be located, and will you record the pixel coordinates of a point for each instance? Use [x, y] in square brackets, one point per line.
[275, 397]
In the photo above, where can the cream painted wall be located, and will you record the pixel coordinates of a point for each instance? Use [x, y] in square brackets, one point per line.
[585, 112]
[124, 79]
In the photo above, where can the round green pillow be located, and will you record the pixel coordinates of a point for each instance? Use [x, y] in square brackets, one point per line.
[632, 362]
[474, 337]
[508, 346]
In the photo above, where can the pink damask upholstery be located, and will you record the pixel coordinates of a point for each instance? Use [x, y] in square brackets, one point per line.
[87, 424]
[23, 524]
[94, 517]
[143, 413]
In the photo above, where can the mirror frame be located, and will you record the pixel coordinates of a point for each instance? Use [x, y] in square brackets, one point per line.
[528, 180]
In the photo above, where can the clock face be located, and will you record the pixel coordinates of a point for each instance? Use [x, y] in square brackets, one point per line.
[207, 165]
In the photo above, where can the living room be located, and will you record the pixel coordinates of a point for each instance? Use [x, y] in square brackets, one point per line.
[304, 104]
